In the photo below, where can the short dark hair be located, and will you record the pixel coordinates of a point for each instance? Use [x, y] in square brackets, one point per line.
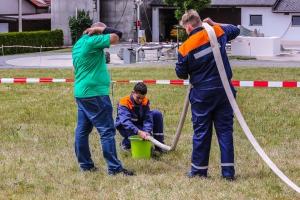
[140, 88]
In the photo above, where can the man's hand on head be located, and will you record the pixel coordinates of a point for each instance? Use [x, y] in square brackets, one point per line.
[94, 30]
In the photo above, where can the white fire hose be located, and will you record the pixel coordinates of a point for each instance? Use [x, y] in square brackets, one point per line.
[218, 58]
[180, 125]
[239, 116]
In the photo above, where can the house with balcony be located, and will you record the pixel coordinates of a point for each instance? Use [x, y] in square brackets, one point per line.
[35, 15]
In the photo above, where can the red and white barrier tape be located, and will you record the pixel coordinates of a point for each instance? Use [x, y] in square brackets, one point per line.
[284, 84]
[36, 47]
[35, 80]
[163, 82]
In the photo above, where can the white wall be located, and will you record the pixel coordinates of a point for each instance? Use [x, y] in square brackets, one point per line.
[255, 46]
[273, 24]
[155, 24]
[61, 10]
[8, 7]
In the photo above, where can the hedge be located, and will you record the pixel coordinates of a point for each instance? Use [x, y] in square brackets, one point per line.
[32, 38]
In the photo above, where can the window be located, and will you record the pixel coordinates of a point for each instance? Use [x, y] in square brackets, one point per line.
[95, 5]
[255, 20]
[295, 20]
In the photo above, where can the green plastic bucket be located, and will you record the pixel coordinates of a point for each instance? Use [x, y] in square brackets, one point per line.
[140, 148]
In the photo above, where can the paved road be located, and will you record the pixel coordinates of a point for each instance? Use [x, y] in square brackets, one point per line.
[64, 60]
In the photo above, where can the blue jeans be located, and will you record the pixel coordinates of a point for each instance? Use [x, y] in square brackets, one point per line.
[96, 112]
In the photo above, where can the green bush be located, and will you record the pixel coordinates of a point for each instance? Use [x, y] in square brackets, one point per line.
[32, 38]
[79, 25]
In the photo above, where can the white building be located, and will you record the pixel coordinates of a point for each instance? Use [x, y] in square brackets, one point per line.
[273, 18]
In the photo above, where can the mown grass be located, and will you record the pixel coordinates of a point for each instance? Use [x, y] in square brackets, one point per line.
[241, 58]
[37, 158]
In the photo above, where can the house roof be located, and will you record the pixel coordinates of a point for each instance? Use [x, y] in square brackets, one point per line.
[242, 3]
[42, 16]
[277, 5]
[48, 2]
[287, 6]
[39, 3]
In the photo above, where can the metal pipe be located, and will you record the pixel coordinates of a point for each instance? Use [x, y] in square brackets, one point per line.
[76, 13]
[20, 15]
[172, 46]
[137, 21]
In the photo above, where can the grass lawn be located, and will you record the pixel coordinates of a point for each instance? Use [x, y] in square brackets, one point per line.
[37, 159]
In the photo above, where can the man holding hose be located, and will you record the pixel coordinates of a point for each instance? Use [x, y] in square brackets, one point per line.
[209, 103]
[134, 117]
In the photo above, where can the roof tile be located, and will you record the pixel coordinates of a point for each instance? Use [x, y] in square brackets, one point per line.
[48, 2]
[287, 6]
[38, 3]
[243, 2]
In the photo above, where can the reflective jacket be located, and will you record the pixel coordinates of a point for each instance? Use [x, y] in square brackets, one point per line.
[131, 114]
[195, 56]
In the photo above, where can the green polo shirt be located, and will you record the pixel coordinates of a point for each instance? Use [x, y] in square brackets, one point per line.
[91, 74]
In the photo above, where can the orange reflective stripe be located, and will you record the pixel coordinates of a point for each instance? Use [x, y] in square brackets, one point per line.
[145, 101]
[198, 40]
[126, 101]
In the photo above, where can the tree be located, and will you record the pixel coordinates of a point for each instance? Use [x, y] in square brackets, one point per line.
[78, 25]
[184, 5]
[182, 36]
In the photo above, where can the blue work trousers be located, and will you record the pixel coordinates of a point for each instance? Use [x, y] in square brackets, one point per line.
[210, 106]
[158, 129]
[96, 112]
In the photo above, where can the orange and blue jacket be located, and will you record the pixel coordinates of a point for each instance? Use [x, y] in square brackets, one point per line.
[130, 115]
[196, 59]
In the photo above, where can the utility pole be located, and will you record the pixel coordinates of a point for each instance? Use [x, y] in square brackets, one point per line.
[138, 22]
[20, 15]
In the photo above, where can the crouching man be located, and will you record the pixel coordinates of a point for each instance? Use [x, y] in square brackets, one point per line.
[134, 117]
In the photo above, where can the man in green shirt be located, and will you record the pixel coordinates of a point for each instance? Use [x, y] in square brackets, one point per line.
[91, 90]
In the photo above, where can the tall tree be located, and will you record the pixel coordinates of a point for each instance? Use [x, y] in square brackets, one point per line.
[186, 5]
